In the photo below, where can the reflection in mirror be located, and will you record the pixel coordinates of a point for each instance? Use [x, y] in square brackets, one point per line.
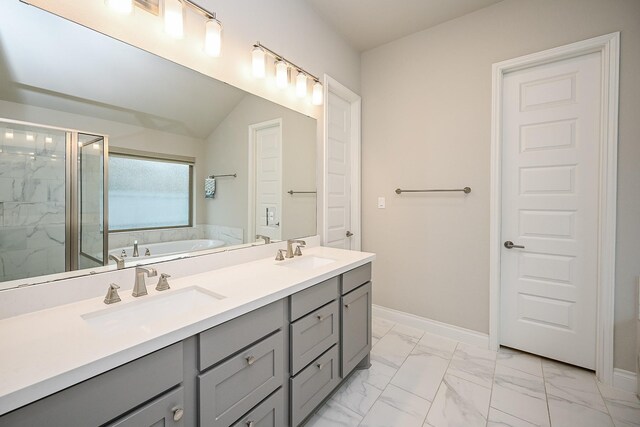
[168, 161]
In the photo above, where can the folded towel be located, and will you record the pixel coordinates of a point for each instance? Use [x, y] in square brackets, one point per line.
[209, 187]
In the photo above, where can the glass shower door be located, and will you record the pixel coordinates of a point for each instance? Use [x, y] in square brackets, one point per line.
[32, 200]
[92, 234]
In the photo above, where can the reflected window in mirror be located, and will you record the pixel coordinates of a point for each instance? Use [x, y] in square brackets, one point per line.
[149, 193]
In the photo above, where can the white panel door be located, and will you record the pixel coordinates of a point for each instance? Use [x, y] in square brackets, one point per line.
[338, 185]
[268, 181]
[551, 128]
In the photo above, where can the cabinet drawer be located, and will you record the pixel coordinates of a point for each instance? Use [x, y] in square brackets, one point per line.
[313, 335]
[356, 327]
[269, 413]
[356, 277]
[103, 398]
[311, 298]
[160, 412]
[313, 384]
[219, 342]
[234, 387]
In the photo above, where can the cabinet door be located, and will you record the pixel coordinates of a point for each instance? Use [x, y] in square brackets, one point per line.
[232, 388]
[166, 411]
[313, 335]
[356, 327]
[269, 413]
[313, 384]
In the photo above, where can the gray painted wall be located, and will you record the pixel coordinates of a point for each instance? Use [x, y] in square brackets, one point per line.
[427, 107]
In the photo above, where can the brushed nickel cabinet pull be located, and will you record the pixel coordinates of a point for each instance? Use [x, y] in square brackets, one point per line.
[250, 360]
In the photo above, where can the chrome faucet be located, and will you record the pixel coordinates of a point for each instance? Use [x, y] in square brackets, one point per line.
[119, 261]
[135, 248]
[266, 239]
[290, 247]
[140, 288]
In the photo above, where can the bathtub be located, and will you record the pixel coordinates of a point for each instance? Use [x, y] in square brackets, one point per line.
[163, 249]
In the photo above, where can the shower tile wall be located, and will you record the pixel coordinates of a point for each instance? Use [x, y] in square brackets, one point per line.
[32, 203]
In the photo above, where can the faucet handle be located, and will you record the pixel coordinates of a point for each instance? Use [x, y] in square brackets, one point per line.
[163, 284]
[298, 251]
[279, 256]
[112, 294]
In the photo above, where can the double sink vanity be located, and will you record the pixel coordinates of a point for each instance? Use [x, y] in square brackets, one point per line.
[261, 343]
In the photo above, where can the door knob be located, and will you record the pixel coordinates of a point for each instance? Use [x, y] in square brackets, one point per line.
[509, 245]
[349, 234]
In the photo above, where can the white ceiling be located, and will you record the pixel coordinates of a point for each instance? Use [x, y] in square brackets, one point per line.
[366, 24]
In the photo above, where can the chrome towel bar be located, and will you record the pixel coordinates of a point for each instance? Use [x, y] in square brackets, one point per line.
[465, 190]
[300, 192]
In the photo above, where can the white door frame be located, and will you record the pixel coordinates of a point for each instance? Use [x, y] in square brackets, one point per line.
[609, 47]
[251, 174]
[333, 86]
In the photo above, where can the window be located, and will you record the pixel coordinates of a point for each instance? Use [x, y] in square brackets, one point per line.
[147, 192]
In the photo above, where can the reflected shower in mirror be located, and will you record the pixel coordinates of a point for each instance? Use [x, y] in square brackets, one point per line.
[105, 151]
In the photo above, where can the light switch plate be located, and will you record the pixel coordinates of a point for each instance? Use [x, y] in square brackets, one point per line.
[381, 203]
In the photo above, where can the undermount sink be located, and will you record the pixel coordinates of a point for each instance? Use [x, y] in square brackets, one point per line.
[150, 313]
[307, 262]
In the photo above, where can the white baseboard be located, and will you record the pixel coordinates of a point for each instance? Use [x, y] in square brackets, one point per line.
[457, 333]
[625, 380]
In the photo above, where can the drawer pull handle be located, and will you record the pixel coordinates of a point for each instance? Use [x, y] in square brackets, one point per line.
[320, 366]
[321, 317]
[250, 360]
[347, 305]
[250, 423]
[177, 414]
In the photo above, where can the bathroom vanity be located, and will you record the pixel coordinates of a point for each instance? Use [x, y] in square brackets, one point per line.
[266, 353]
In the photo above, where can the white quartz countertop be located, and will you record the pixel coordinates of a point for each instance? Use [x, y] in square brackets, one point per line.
[46, 351]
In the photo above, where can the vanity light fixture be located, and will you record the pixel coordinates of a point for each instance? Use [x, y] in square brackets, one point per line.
[123, 7]
[48, 139]
[174, 12]
[174, 18]
[283, 68]
[8, 134]
[282, 74]
[301, 84]
[258, 62]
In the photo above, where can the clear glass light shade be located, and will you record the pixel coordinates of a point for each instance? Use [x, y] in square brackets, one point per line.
[282, 74]
[124, 7]
[213, 37]
[174, 18]
[301, 85]
[316, 95]
[258, 62]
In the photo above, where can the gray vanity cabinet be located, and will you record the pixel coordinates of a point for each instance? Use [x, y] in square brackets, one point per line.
[166, 411]
[106, 397]
[356, 327]
[270, 413]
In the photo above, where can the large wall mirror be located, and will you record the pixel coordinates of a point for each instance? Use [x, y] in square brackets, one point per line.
[108, 152]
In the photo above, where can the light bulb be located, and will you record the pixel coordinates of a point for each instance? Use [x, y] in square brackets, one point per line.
[48, 139]
[29, 136]
[282, 74]
[316, 95]
[174, 18]
[123, 7]
[8, 134]
[301, 85]
[213, 37]
[258, 62]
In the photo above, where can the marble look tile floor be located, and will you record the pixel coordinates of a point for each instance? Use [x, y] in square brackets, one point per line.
[425, 380]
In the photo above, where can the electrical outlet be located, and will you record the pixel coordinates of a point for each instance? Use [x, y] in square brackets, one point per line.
[381, 203]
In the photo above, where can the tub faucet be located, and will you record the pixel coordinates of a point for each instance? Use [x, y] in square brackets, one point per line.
[266, 239]
[135, 248]
[290, 246]
[140, 288]
[119, 261]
